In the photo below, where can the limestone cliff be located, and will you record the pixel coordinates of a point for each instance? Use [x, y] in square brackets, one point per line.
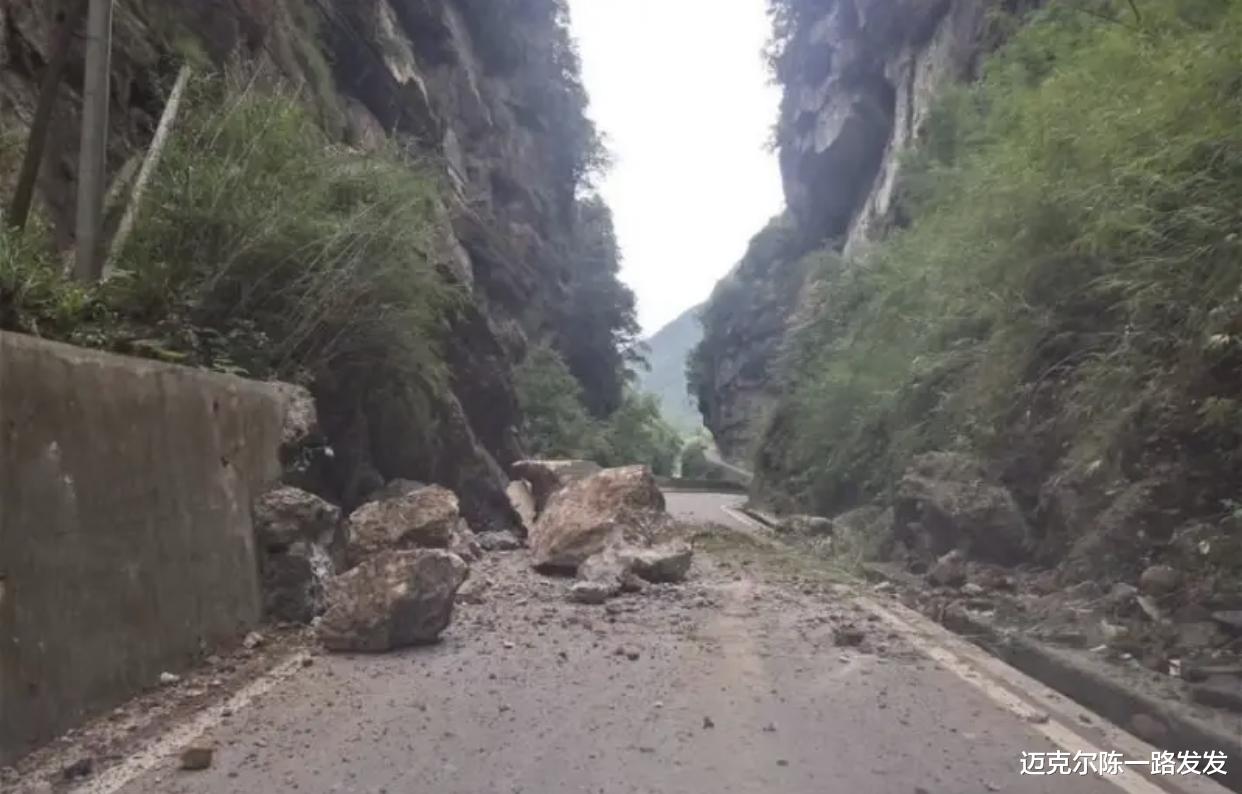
[859, 78]
[487, 90]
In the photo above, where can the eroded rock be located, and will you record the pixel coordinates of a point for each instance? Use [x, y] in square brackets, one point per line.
[393, 600]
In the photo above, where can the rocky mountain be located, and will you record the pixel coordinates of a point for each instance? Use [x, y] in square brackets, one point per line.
[665, 375]
[859, 78]
[979, 311]
[486, 94]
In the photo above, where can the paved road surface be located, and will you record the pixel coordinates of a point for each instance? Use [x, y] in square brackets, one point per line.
[732, 682]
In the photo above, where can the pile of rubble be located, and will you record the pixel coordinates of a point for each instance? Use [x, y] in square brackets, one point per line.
[1160, 604]
[387, 574]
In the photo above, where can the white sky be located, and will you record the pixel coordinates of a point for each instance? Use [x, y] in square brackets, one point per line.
[681, 92]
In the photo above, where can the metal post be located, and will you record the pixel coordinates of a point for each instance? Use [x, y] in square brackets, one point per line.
[93, 154]
[58, 58]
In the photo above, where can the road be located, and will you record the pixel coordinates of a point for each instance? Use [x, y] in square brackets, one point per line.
[732, 682]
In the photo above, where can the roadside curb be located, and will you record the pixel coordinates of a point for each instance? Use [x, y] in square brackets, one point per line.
[1169, 725]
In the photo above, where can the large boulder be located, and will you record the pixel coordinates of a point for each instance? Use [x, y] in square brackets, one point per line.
[546, 477]
[392, 601]
[591, 514]
[295, 582]
[300, 545]
[287, 515]
[427, 517]
[945, 502]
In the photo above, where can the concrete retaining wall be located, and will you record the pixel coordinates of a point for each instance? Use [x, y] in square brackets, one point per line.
[125, 539]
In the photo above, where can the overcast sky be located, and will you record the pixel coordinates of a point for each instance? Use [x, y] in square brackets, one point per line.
[682, 94]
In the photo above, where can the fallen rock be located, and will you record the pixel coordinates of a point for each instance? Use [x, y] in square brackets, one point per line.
[305, 457]
[848, 636]
[944, 502]
[392, 601]
[1231, 619]
[197, 758]
[295, 582]
[465, 543]
[949, 570]
[287, 515]
[546, 477]
[805, 525]
[474, 590]
[668, 562]
[523, 500]
[1158, 580]
[78, 768]
[501, 540]
[423, 518]
[584, 592]
[253, 640]
[593, 514]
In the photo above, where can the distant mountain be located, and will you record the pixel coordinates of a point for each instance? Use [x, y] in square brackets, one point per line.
[667, 379]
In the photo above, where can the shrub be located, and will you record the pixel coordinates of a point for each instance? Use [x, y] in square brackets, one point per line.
[1070, 277]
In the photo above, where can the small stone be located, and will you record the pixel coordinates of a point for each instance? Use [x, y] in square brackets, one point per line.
[972, 590]
[708, 723]
[508, 645]
[782, 762]
[1038, 718]
[168, 679]
[308, 660]
[632, 656]
[848, 636]
[197, 758]
[770, 728]
[82, 767]
[253, 640]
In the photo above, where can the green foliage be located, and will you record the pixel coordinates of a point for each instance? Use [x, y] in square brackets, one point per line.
[34, 297]
[557, 423]
[257, 229]
[1070, 283]
[261, 249]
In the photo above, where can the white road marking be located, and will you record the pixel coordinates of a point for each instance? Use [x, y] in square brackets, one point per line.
[965, 661]
[743, 519]
[173, 741]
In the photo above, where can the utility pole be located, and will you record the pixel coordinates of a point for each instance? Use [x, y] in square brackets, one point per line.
[93, 155]
[62, 37]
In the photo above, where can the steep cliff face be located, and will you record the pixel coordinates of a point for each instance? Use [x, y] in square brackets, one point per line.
[859, 78]
[733, 369]
[487, 91]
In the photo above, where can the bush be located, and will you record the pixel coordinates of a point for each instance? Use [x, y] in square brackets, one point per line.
[1071, 276]
[294, 254]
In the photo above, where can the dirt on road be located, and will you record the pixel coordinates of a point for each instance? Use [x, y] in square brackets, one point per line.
[750, 677]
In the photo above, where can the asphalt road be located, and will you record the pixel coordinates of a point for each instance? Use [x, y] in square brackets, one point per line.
[732, 682]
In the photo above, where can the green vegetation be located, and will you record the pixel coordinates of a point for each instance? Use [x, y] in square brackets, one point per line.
[262, 250]
[1069, 293]
[558, 424]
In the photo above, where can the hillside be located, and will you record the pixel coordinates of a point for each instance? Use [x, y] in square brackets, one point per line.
[667, 350]
[1012, 266]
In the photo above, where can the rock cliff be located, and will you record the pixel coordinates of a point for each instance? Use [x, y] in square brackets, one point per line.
[859, 78]
[489, 91]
